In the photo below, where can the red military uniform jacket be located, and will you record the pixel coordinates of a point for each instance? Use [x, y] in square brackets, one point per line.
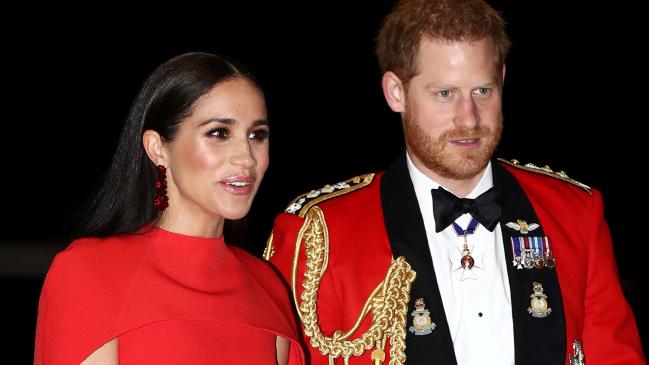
[339, 246]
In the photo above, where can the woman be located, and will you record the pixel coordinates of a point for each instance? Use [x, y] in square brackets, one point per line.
[152, 281]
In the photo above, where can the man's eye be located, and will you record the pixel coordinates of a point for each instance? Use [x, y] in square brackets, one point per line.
[445, 93]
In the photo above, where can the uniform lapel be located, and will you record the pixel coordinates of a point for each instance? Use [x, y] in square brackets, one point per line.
[536, 340]
[407, 236]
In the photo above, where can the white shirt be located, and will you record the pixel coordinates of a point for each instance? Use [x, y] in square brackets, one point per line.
[478, 311]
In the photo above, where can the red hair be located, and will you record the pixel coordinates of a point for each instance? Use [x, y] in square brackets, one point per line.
[404, 27]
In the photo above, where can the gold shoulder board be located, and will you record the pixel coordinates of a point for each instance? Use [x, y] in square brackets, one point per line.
[546, 170]
[304, 202]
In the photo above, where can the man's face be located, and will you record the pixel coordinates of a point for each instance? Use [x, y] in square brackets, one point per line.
[452, 117]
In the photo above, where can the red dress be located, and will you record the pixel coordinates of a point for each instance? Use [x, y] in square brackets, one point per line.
[169, 298]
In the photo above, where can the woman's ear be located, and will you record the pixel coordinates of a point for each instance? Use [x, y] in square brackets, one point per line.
[154, 147]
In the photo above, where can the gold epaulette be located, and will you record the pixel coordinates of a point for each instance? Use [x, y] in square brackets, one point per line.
[304, 202]
[546, 170]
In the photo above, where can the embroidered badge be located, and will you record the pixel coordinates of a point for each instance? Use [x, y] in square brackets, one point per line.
[539, 304]
[522, 226]
[421, 322]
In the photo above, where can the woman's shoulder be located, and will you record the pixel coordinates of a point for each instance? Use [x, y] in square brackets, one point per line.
[249, 260]
[95, 250]
[96, 261]
[83, 293]
[258, 267]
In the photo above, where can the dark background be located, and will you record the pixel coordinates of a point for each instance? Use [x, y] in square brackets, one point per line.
[574, 99]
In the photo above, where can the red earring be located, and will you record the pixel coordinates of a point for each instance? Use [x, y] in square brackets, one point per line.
[162, 200]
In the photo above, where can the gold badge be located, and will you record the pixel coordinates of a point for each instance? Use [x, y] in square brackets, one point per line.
[539, 304]
[421, 322]
[522, 226]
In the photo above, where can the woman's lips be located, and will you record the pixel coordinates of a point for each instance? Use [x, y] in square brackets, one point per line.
[238, 185]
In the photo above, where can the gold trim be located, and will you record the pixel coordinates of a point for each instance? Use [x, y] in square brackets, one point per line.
[355, 183]
[361, 182]
[547, 171]
[269, 250]
[388, 301]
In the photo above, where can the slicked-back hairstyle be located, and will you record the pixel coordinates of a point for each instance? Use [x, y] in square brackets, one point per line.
[398, 40]
[124, 202]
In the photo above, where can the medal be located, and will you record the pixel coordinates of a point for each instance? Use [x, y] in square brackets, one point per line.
[517, 249]
[532, 252]
[537, 251]
[465, 261]
[577, 357]
[528, 261]
[550, 261]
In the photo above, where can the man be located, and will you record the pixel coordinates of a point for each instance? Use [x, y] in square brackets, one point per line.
[450, 257]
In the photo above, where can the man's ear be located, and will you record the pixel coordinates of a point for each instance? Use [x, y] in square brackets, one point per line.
[154, 147]
[393, 91]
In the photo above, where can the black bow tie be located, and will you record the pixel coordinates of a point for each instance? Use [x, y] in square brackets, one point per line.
[448, 207]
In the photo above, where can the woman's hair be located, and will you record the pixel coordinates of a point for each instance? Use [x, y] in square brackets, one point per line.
[124, 202]
[398, 41]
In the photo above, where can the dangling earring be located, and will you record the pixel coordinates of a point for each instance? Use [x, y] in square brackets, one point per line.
[162, 200]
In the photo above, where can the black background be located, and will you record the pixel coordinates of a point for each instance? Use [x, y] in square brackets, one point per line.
[574, 99]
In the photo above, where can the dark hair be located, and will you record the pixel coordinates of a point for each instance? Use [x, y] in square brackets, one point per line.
[398, 41]
[124, 202]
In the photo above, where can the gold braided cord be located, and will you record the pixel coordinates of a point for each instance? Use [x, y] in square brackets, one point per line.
[388, 301]
[269, 250]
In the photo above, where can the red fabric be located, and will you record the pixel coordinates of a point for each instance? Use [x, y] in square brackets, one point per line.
[360, 256]
[169, 298]
[594, 304]
[595, 308]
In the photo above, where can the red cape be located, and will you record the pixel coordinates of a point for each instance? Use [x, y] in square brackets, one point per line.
[180, 296]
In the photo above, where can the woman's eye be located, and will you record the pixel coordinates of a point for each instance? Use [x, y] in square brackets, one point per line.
[260, 134]
[221, 133]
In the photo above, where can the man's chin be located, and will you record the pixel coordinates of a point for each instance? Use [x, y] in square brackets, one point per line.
[462, 167]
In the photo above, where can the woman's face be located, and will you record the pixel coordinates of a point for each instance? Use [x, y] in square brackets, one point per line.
[219, 155]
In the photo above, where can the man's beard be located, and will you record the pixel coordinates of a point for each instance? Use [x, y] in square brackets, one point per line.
[456, 165]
